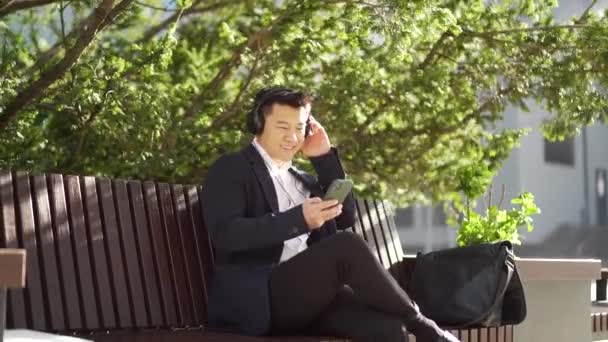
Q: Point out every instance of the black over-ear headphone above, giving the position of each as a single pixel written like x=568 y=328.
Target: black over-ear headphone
x=255 y=117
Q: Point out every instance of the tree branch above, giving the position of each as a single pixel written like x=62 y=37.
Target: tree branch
x=502 y=197
x=433 y=130
x=495 y=98
x=434 y=50
x=255 y=41
x=525 y=29
x=54 y=50
x=164 y=9
x=154 y=30
x=585 y=14
x=35 y=89
x=62 y=19
x=17 y=5
x=231 y=111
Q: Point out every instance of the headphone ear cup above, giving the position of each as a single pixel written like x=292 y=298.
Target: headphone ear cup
x=255 y=120
x=252 y=124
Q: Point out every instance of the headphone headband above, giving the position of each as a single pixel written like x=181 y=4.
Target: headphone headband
x=255 y=118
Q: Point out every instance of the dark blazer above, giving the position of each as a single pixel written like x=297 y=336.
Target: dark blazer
x=241 y=213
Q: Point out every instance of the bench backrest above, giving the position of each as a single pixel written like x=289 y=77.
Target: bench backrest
x=108 y=254
x=105 y=254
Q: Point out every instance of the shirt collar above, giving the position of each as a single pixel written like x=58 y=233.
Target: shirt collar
x=270 y=163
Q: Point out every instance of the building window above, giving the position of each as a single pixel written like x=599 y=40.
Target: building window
x=439 y=218
x=404 y=217
x=560 y=152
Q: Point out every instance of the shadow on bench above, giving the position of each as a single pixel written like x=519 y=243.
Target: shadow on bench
x=116 y=260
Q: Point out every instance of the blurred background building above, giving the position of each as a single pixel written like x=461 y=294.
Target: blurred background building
x=568 y=179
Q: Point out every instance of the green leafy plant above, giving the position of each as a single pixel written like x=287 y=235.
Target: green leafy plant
x=496 y=224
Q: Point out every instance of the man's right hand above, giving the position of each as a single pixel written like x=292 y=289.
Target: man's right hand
x=317 y=211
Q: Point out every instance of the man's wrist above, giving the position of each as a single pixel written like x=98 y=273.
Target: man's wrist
x=320 y=154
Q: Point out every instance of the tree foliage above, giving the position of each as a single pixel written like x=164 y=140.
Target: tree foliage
x=409 y=90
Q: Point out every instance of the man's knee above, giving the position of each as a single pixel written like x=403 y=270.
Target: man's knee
x=350 y=240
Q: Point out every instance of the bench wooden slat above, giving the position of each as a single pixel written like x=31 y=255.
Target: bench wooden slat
x=204 y=238
x=178 y=260
x=389 y=220
x=69 y=287
x=130 y=248
x=463 y=335
x=509 y=333
x=145 y=249
x=81 y=251
x=188 y=243
x=379 y=228
x=473 y=335
x=49 y=270
x=115 y=253
x=389 y=214
x=484 y=335
x=104 y=291
x=161 y=254
x=364 y=228
x=502 y=332
x=34 y=286
x=383 y=231
x=15 y=299
x=201 y=244
x=374 y=229
x=356 y=228
x=386 y=229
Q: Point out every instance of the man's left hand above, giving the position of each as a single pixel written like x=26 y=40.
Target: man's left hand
x=317 y=143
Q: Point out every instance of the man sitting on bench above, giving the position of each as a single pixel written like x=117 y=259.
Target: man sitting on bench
x=280 y=266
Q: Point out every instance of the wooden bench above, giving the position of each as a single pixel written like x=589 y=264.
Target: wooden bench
x=599 y=324
x=600 y=286
x=118 y=260
x=599 y=321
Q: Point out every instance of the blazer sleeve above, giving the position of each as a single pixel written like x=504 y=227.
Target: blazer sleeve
x=328 y=168
x=224 y=198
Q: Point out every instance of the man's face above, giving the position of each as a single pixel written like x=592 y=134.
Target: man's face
x=283 y=133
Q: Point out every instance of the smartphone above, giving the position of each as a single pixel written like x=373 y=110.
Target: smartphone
x=338 y=190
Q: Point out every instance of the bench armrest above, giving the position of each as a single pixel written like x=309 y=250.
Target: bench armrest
x=12 y=267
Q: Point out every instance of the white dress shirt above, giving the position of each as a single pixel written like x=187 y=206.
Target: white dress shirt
x=290 y=193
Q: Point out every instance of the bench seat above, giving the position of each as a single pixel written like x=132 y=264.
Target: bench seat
x=191 y=335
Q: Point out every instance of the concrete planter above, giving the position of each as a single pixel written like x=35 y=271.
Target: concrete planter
x=557 y=296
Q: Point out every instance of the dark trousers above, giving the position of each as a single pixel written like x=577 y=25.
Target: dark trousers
x=338 y=287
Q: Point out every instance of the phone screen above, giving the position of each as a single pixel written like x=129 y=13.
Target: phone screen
x=338 y=190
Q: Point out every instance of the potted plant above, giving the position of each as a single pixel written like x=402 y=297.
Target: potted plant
x=495 y=223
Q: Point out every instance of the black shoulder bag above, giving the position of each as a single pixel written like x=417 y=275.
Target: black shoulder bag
x=473 y=286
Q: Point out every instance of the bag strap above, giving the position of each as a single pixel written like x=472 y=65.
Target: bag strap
x=506 y=277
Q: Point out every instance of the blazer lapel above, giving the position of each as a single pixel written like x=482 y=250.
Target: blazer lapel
x=263 y=176
x=309 y=182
